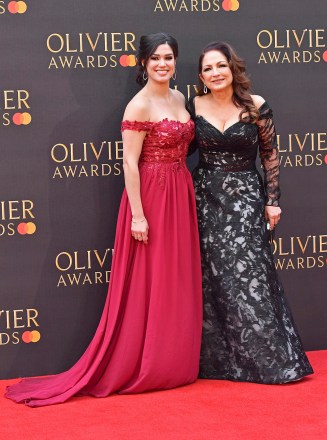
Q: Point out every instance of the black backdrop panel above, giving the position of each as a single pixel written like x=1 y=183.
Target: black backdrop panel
x=67 y=72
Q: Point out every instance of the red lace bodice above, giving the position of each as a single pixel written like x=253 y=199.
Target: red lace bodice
x=166 y=141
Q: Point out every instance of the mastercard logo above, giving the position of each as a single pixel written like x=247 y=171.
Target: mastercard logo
x=17 y=7
x=230 y=5
x=324 y=56
x=33 y=336
x=127 y=60
x=26 y=228
x=22 y=118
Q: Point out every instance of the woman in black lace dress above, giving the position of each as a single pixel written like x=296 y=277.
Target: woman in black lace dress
x=248 y=330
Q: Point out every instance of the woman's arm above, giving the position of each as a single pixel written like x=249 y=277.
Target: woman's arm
x=270 y=160
x=132 y=148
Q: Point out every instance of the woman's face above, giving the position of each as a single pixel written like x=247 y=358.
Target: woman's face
x=216 y=73
x=161 y=64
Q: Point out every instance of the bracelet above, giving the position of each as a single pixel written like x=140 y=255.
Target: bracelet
x=139 y=221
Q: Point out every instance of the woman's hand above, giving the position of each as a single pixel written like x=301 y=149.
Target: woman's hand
x=272 y=214
x=140 y=229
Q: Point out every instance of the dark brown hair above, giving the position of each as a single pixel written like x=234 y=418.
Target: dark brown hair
x=241 y=82
x=148 y=45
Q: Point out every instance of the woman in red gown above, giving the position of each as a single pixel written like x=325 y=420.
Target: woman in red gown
x=149 y=334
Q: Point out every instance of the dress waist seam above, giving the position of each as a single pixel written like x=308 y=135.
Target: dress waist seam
x=227 y=168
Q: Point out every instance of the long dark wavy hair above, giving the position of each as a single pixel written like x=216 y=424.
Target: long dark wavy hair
x=148 y=45
x=241 y=82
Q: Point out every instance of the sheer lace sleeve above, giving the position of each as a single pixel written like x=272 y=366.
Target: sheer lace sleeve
x=136 y=125
x=269 y=154
x=190 y=108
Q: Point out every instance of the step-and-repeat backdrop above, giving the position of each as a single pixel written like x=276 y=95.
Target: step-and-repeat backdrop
x=67 y=72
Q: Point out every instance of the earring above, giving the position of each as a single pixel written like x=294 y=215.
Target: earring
x=174 y=75
x=205 y=90
x=144 y=76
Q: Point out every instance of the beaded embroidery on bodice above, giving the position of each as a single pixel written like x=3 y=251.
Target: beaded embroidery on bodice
x=166 y=141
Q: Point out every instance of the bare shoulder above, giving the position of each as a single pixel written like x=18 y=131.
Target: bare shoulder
x=202 y=98
x=178 y=95
x=199 y=101
x=138 y=109
x=258 y=100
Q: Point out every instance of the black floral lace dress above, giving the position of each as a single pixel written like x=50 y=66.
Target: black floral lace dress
x=248 y=330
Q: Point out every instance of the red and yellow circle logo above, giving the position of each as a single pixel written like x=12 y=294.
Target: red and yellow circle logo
x=17 y=7
x=230 y=5
x=33 y=336
x=22 y=118
x=127 y=60
x=26 y=228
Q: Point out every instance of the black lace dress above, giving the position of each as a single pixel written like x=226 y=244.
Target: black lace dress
x=248 y=330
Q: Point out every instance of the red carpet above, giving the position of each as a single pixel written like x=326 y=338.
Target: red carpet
x=206 y=410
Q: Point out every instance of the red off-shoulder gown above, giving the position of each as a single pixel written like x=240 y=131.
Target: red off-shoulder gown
x=149 y=334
